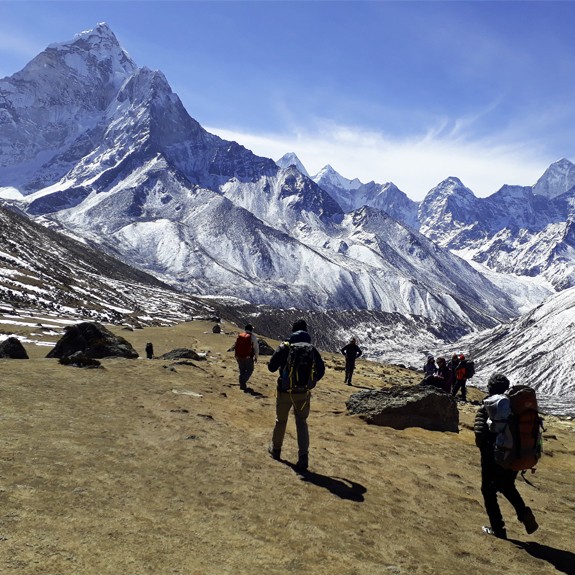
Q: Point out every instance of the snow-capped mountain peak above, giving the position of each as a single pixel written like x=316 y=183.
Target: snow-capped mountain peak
x=327 y=176
x=557 y=179
x=290 y=159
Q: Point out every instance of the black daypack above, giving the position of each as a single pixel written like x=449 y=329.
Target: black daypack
x=469 y=369
x=298 y=373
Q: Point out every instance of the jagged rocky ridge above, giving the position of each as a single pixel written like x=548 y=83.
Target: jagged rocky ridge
x=522 y=230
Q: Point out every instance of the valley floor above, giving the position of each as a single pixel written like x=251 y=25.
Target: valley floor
x=152 y=467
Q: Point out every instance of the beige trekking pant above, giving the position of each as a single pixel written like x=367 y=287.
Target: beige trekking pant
x=301 y=406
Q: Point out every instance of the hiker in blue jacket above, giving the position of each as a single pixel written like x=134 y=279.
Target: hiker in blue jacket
x=494 y=478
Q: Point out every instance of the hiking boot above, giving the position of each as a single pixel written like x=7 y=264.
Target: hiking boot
x=275 y=453
x=302 y=463
x=529 y=522
x=499 y=533
x=243 y=386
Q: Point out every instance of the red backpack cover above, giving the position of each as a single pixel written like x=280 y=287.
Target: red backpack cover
x=244 y=347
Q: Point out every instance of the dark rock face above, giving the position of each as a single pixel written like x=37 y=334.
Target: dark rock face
x=265 y=348
x=13 y=349
x=182 y=353
x=94 y=341
x=79 y=360
x=402 y=407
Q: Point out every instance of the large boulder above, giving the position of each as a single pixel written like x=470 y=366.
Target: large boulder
x=402 y=407
x=183 y=353
x=94 y=341
x=12 y=349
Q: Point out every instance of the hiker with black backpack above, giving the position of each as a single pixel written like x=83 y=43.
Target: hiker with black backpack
x=300 y=368
x=499 y=477
x=247 y=351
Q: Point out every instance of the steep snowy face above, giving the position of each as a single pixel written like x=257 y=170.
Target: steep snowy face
x=389 y=199
x=448 y=213
x=57 y=97
x=557 y=179
x=339 y=188
x=513 y=231
x=290 y=159
x=288 y=201
x=537 y=349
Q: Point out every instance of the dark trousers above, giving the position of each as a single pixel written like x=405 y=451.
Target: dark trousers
x=460 y=384
x=349 y=367
x=495 y=479
x=246 y=366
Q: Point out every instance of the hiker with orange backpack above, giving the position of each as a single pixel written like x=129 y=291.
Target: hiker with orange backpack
x=497 y=475
x=247 y=351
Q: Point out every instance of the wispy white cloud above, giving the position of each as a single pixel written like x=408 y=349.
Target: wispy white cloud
x=414 y=164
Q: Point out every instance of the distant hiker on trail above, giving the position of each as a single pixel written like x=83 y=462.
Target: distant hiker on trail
x=247 y=351
x=494 y=478
x=300 y=368
x=351 y=351
x=149 y=350
x=460 y=370
x=429 y=368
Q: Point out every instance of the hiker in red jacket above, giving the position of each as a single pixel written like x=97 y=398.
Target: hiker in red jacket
x=247 y=351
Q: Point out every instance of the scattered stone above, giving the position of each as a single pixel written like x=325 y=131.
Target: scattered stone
x=401 y=407
x=94 y=341
x=11 y=348
x=217 y=328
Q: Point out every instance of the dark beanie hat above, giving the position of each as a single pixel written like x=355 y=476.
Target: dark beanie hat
x=249 y=327
x=497 y=383
x=299 y=324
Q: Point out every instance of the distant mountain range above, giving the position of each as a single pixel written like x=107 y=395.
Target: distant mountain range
x=103 y=150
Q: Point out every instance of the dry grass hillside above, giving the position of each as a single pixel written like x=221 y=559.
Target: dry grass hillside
x=151 y=467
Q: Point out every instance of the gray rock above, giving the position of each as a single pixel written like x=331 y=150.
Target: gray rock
x=182 y=353
x=94 y=341
x=402 y=407
x=12 y=349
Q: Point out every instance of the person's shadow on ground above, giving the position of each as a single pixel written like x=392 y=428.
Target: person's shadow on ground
x=563 y=561
x=254 y=393
x=339 y=486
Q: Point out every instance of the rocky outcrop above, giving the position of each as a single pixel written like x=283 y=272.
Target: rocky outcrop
x=12 y=349
x=94 y=341
x=183 y=353
x=402 y=407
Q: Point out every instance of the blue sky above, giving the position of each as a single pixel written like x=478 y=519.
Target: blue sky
x=408 y=92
